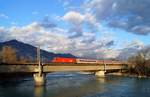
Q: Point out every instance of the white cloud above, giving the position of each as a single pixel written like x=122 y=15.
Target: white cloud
x=4 y=16
x=141 y=30
x=57 y=40
x=47 y=23
x=74 y=17
x=4 y=35
x=129 y=15
x=75 y=21
x=79 y=22
x=137 y=44
x=14 y=23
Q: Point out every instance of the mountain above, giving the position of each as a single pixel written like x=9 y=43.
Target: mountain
x=30 y=52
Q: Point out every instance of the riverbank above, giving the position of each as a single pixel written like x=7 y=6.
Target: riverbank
x=128 y=75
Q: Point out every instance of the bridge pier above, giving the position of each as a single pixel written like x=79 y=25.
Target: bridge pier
x=100 y=73
x=39 y=80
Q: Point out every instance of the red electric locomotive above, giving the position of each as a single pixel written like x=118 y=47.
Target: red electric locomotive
x=64 y=60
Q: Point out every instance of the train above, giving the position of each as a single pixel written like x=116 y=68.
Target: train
x=81 y=60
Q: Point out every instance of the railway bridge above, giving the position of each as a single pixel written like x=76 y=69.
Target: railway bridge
x=39 y=70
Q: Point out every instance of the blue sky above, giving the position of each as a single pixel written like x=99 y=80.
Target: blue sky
x=103 y=25
x=26 y=11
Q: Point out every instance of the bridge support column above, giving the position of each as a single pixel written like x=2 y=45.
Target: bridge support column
x=100 y=73
x=39 y=80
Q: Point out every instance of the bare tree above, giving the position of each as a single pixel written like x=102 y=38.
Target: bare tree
x=22 y=59
x=0 y=57
x=140 y=63
x=8 y=55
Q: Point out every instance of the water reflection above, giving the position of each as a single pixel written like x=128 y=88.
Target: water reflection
x=74 y=88
x=101 y=79
x=39 y=91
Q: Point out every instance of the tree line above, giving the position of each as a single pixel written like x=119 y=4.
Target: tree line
x=9 y=55
x=140 y=63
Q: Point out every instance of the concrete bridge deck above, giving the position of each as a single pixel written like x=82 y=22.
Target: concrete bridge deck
x=57 y=67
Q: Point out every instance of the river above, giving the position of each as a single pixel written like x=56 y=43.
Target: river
x=78 y=85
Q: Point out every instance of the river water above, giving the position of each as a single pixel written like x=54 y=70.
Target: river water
x=78 y=85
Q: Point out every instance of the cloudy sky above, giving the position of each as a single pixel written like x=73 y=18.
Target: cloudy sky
x=86 y=28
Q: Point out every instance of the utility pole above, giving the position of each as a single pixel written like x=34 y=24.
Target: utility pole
x=38 y=54
x=39 y=77
x=104 y=65
x=39 y=60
